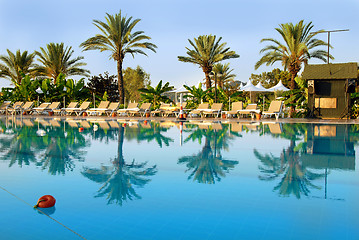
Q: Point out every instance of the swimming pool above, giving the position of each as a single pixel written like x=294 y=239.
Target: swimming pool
x=160 y=180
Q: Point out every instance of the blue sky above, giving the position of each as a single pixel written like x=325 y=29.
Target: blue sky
x=29 y=25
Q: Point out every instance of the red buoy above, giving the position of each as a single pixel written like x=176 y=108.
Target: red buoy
x=46 y=201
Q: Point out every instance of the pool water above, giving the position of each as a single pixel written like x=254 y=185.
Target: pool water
x=162 y=180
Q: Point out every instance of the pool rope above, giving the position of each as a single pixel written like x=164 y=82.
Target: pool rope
x=42 y=212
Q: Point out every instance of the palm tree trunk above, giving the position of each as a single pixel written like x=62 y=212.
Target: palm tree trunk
x=208 y=80
x=121 y=89
x=292 y=87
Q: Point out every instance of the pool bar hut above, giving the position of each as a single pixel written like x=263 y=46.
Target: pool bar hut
x=329 y=88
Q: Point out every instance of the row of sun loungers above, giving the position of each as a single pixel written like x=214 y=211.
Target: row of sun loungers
x=276 y=108
x=165 y=110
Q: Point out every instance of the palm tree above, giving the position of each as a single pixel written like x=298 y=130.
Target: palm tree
x=197 y=94
x=117 y=37
x=224 y=74
x=16 y=65
x=56 y=59
x=207 y=51
x=155 y=94
x=298 y=47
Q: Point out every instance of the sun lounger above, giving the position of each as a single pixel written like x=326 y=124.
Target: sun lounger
x=62 y=111
x=176 y=110
x=5 y=105
x=78 y=110
x=99 y=110
x=215 y=110
x=131 y=107
x=200 y=108
x=52 y=107
x=275 y=108
x=27 y=108
x=161 y=110
x=250 y=109
x=145 y=108
x=112 y=108
x=45 y=108
x=14 y=108
x=40 y=108
x=236 y=106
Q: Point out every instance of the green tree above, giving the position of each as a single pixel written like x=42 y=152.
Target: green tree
x=102 y=84
x=299 y=46
x=155 y=95
x=26 y=91
x=15 y=65
x=206 y=52
x=56 y=59
x=118 y=38
x=198 y=95
x=135 y=79
x=76 y=90
x=299 y=96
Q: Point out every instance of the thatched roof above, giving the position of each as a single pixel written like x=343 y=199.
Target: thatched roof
x=331 y=71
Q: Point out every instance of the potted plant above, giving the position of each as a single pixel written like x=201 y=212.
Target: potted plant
x=259 y=116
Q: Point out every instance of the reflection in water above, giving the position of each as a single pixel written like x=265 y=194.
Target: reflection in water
x=321 y=147
x=119 y=179
x=54 y=150
x=48 y=211
x=208 y=166
x=314 y=151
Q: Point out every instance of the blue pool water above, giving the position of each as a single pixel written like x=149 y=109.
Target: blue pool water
x=147 y=180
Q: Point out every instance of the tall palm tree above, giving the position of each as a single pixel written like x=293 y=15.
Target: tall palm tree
x=56 y=59
x=118 y=38
x=207 y=51
x=15 y=65
x=298 y=47
x=224 y=74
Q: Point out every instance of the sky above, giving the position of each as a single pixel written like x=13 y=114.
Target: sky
x=29 y=25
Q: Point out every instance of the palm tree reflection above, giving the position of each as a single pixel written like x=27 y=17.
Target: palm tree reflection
x=295 y=178
x=208 y=166
x=119 y=179
x=56 y=150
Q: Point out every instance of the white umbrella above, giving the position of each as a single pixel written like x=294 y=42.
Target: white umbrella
x=249 y=87
x=262 y=89
x=180 y=90
x=279 y=87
